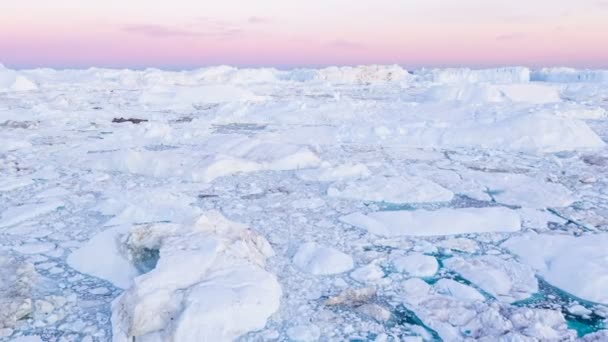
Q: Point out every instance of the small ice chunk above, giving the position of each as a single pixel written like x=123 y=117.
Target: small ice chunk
x=321 y=260
x=416 y=265
x=450 y=287
x=579 y=310
x=506 y=280
x=368 y=273
x=445 y=221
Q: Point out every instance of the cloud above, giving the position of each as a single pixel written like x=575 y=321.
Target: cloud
x=160 y=31
x=344 y=44
x=258 y=20
x=511 y=36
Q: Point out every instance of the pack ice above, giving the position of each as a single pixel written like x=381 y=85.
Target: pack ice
x=343 y=203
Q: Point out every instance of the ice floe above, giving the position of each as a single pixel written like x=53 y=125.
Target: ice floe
x=506 y=280
x=445 y=221
x=577 y=265
x=321 y=260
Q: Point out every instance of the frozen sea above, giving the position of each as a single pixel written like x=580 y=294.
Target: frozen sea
x=347 y=203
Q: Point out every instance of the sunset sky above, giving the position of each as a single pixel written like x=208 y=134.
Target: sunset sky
x=287 y=33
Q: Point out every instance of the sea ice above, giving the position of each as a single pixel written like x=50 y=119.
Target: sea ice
x=399 y=189
x=416 y=265
x=577 y=265
x=444 y=221
x=506 y=280
x=321 y=260
x=210 y=283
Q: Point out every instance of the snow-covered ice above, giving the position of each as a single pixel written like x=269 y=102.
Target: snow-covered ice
x=321 y=260
x=343 y=203
x=445 y=221
x=209 y=283
x=578 y=265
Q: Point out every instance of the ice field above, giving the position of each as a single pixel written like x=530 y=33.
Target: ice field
x=347 y=203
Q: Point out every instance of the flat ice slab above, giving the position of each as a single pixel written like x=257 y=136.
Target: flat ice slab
x=577 y=265
x=445 y=221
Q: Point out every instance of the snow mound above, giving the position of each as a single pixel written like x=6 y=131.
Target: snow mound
x=208 y=281
x=505 y=280
x=401 y=189
x=465 y=75
x=569 y=75
x=321 y=260
x=445 y=221
x=577 y=265
x=13 y=81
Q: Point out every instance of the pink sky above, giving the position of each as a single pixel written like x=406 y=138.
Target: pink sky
x=287 y=33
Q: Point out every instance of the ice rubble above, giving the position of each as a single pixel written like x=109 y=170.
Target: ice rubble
x=577 y=265
x=16 y=285
x=444 y=221
x=398 y=189
x=567 y=75
x=466 y=317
